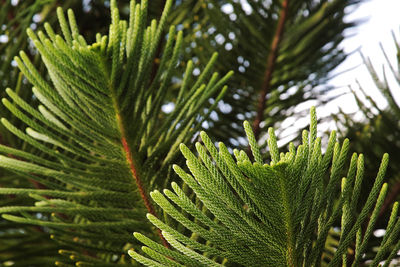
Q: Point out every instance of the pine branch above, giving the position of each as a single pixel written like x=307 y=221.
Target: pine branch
x=279 y=214
x=99 y=137
x=139 y=183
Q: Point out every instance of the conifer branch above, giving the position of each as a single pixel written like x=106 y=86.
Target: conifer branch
x=271 y=61
x=95 y=144
x=97 y=128
x=136 y=176
x=277 y=214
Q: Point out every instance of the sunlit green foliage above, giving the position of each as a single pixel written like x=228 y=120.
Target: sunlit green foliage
x=276 y=214
x=97 y=104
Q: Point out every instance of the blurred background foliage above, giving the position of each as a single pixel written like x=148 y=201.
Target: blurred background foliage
x=292 y=71
x=377 y=127
x=282 y=52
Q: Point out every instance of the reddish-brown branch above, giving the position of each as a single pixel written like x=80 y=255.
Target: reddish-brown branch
x=271 y=60
x=139 y=184
x=128 y=153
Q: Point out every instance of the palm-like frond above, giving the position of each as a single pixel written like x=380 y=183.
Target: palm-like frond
x=99 y=135
x=276 y=214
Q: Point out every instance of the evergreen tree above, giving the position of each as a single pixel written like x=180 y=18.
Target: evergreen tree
x=88 y=142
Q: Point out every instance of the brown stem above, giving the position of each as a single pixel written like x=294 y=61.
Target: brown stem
x=139 y=184
x=135 y=174
x=271 y=60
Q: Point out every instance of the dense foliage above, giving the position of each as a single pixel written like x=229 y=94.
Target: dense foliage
x=102 y=95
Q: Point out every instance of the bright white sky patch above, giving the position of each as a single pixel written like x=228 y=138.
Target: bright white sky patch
x=382 y=18
x=227 y=8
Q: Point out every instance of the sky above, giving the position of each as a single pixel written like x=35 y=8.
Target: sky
x=381 y=21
